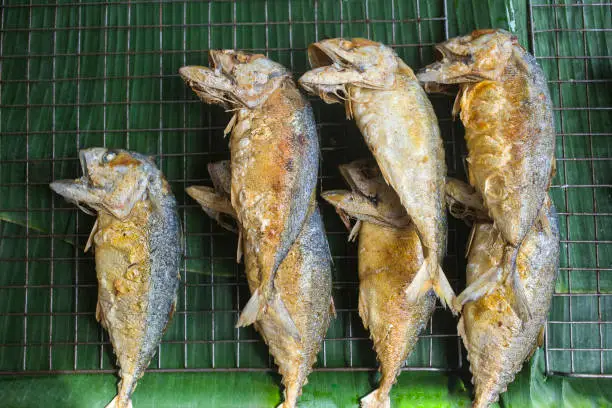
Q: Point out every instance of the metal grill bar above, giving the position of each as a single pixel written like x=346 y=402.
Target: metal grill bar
x=559 y=346
x=202 y=337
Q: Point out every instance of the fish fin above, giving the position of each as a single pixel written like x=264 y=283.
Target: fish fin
x=239 y=248
x=354 y=231
x=98 y=312
x=332 y=308
x=257 y=306
x=372 y=400
x=90 y=240
x=251 y=311
x=444 y=291
x=230 y=125
x=278 y=306
x=420 y=285
x=115 y=403
x=468 y=247
x=482 y=286
x=423 y=282
x=518 y=302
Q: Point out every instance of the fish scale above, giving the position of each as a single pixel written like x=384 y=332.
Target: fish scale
x=137 y=242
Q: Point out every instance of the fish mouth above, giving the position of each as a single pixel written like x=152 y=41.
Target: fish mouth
x=330 y=75
x=319 y=56
x=212 y=85
x=450 y=68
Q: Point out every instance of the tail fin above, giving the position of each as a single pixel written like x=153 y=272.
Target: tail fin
x=424 y=281
x=374 y=400
x=258 y=305
x=291 y=394
x=115 y=403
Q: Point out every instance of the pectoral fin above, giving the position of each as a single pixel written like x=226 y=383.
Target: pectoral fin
x=257 y=306
x=215 y=205
x=90 y=240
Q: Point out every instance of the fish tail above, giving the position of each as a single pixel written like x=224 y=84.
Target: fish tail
x=260 y=304
x=484 y=399
x=291 y=393
x=118 y=402
x=376 y=399
x=430 y=276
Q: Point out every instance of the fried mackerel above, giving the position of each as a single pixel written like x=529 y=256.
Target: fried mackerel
x=390 y=254
x=274 y=162
x=303 y=282
x=137 y=242
x=497 y=340
x=400 y=127
x=505 y=106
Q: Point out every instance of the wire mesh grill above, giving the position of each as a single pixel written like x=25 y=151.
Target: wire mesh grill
x=76 y=75
x=82 y=74
x=572 y=43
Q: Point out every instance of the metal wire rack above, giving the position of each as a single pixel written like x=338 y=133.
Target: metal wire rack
x=564 y=39
x=82 y=74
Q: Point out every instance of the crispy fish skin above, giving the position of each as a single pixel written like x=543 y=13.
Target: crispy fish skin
x=137 y=240
x=274 y=161
x=303 y=282
x=400 y=127
x=390 y=254
x=506 y=109
x=497 y=340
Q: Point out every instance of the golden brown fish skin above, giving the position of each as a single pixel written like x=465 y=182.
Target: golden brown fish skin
x=506 y=110
x=388 y=260
x=390 y=254
x=271 y=149
x=274 y=161
x=401 y=129
x=497 y=340
x=303 y=282
x=137 y=240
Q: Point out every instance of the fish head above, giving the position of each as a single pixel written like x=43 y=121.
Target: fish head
x=235 y=79
x=481 y=55
x=371 y=198
x=112 y=181
x=339 y=63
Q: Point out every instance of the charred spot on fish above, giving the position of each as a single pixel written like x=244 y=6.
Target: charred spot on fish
x=289 y=165
x=499 y=324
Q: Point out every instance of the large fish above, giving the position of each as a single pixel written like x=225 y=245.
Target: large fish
x=137 y=241
x=274 y=162
x=390 y=254
x=497 y=340
x=507 y=113
x=303 y=282
x=400 y=127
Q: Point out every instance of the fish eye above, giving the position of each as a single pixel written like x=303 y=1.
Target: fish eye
x=109 y=157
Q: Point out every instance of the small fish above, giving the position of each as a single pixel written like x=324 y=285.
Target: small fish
x=390 y=254
x=274 y=162
x=400 y=127
x=507 y=112
x=497 y=340
x=303 y=282
x=137 y=240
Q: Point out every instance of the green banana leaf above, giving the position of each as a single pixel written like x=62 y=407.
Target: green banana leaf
x=79 y=99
